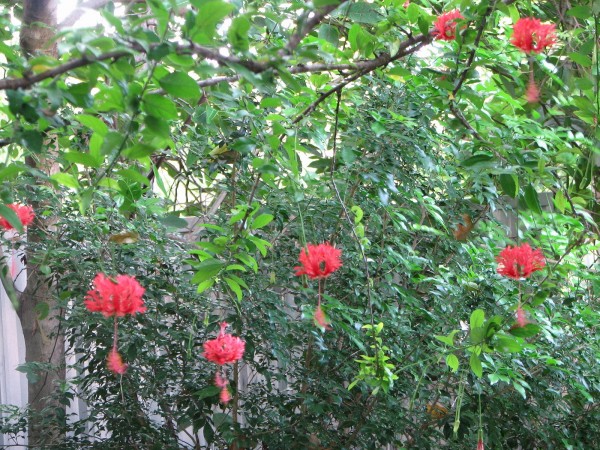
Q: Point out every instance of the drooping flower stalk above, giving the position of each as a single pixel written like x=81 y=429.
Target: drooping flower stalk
x=115 y=298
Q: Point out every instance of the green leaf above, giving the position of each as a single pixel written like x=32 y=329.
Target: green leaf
x=582 y=60
x=477 y=319
x=581 y=12
x=208 y=391
x=452 y=362
x=93 y=123
x=261 y=244
x=173 y=221
x=181 y=85
x=359 y=12
x=330 y=34
x=447 y=339
x=507 y=344
x=321 y=3
x=560 y=201
x=84 y=159
x=248 y=260
x=238 y=34
x=475 y=364
x=12 y=217
x=210 y=14
x=159 y=106
x=509 y=184
x=66 y=179
x=42 y=308
x=10 y=172
x=207 y=269
x=358 y=214
x=478 y=160
x=532 y=200
x=262 y=221
x=235 y=287
x=133 y=175
x=32 y=140
x=527 y=331
x=520 y=389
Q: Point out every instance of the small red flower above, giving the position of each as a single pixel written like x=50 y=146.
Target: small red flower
x=225 y=396
x=220 y=382
x=445 y=25
x=24 y=213
x=521 y=317
x=480 y=444
x=520 y=262
x=225 y=349
x=320 y=319
x=115 y=298
x=532 y=36
x=319 y=261
x=115 y=362
x=533 y=93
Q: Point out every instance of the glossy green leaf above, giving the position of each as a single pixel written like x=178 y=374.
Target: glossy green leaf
x=509 y=184
x=181 y=85
x=475 y=364
x=532 y=199
x=207 y=269
x=452 y=362
x=262 y=221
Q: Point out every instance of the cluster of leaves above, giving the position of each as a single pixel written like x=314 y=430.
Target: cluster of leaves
x=422 y=352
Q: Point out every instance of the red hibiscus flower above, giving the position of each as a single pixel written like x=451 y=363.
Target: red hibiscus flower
x=225 y=349
x=24 y=213
x=115 y=298
x=480 y=444
x=115 y=362
x=319 y=261
x=532 y=36
x=520 y=262
x=445 y=25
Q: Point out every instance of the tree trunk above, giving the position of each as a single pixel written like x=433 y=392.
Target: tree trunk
x=44 y=341
x=39 y=27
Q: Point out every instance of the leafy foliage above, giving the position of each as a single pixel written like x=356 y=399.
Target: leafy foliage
x=281 y=124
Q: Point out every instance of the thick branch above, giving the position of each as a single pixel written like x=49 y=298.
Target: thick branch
x=19 y=83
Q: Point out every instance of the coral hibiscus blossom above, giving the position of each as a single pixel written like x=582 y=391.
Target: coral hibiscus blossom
x=225 y=349
x=115 y=298
x=445 y=25
x=24 y=213
x=532 y=36
x=480 y=444
x=520 y=262
x=115 y=362
x=318 y=261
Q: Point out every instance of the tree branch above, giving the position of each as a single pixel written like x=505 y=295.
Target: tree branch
x=463 y=75
x=310 y=24
x=406 y=48
x=19 y=83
